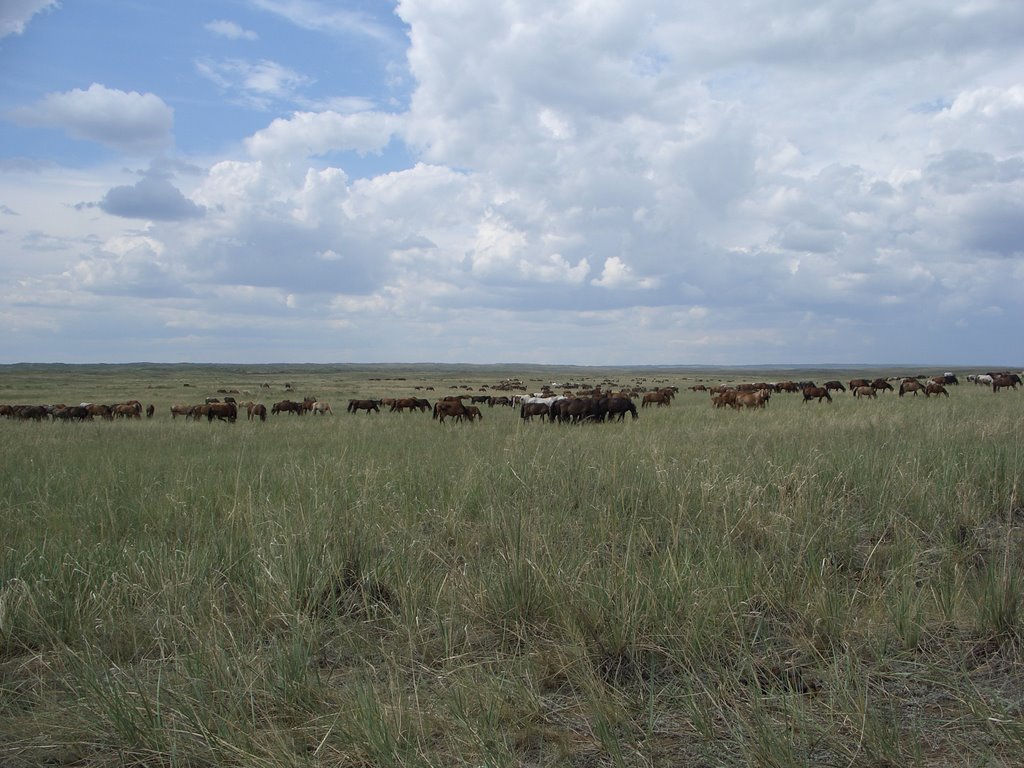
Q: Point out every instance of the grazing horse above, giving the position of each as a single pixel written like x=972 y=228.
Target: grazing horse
x=753 y=399
x=287 y=406
x=528 y=410
x=446 y=408
x=835 y=385
x=659 y=398
x=727 y=397
x=999 y=381
x=816 y=392
x=363 y=405
x=620 y=406
x=472 y=413
x=865 y=391
x=882 y=384
x=222 y=412
x=912 y=385
x=321 y=408
x=857 y=383
x=257 y=411
x=125 y=411
x=935 y=388
x=181 y=410
x=412 y=403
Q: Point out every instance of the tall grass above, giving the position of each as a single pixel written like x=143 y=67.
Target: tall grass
x=804 y=585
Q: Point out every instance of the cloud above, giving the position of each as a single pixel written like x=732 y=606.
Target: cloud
x=128 y=121
x=307 y=134
x=258 y=83
x=230 y=30
x=311 y=15
x=16 y=14
x=152 y=197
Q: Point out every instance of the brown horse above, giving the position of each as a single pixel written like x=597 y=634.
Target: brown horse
x=528 y=410
x=288 y=406
x=757 y=399
x=222 y=412
x=835 y=385
x=912 y=385
x=369 y=406
x=257 y=411
x=816 y=392
x=412 y=403
x=855 y=384
x=999 y=381
x=445 y=408
x=934 y=388
x=882 y=384
x=865 y=391
x=659 y=398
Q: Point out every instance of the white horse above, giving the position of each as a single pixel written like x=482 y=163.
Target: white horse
x=322 y=409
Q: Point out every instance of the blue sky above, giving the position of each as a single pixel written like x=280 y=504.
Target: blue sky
x=588 y=182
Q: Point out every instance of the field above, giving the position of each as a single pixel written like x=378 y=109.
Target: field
x=809 y=584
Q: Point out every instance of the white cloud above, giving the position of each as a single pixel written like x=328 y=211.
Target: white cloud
x=16 y=14
x=126 y=120
x=258 y=83
x=230 y=29
x=307 y=134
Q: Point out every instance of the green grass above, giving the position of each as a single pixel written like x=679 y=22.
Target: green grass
x=804 y=585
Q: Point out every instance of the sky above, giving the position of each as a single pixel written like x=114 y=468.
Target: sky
x=586 y=182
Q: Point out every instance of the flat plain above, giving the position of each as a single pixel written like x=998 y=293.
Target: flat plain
x=805 y=584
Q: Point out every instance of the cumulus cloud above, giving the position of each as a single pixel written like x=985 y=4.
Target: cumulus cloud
x=16 y=14
x=152 y=197
x=125 y=120
x=780 y=186
x=315 y=133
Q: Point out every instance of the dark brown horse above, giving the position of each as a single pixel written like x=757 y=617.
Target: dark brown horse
x=370 y=406
x=287 y=406
x=528 y=410
x=445 y=408
x=999 y=381
x=222 y=412
x=835 y=385
x=816 y=392
x=934 y=388
x=257 y=411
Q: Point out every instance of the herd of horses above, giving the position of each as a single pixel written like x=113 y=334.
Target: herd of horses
x=568 y=407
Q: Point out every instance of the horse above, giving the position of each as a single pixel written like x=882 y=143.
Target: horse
x=321 y=408
x=816 y=392
x=125 y=411
x=620 y=406
x=753 y=399
x=855 y=384
x=181 y=410
x=528 y=410
x=355 y=406
x=935 y=388
x=445 y=408
x=412 y=403
x=882 y=384
x=287 y=406
x=257 y=411
x=472 y=413
x=835 y=385
x=912 y=385
x=222 y=412
x=659 y=398
x=865 y=391
x=727 y=397
x=150 y=410
x=999 y=381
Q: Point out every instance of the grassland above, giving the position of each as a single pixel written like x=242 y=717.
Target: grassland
x=805 y=585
